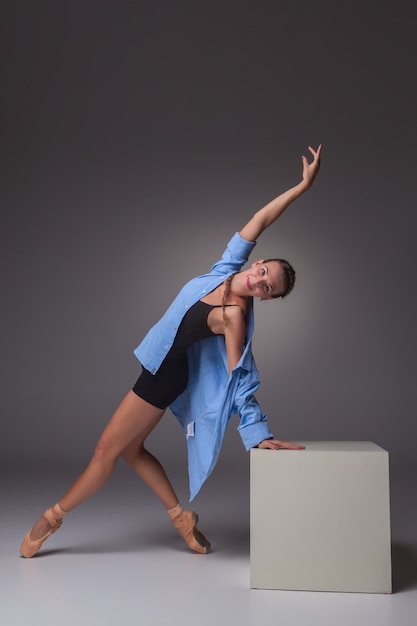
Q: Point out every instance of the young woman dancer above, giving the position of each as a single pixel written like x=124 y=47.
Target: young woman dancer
x=197 y=361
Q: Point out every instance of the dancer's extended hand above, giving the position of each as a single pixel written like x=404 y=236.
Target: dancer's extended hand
x=276 y=444
x=310 y=170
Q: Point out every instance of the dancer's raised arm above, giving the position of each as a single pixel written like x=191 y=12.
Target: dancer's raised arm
x=271 y=211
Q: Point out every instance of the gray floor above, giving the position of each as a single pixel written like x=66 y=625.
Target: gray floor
x=116 y=558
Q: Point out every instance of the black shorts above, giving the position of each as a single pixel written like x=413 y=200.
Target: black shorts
x=166 y=385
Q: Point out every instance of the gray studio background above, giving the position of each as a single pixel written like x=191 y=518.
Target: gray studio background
x=137 y=137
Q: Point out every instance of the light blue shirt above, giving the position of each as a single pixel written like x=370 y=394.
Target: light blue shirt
x=212 y=395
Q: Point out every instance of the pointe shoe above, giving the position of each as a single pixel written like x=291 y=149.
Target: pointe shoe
x=30 y=546
x=186 y=524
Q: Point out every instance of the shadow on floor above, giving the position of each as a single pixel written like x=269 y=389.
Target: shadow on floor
x=404 y=567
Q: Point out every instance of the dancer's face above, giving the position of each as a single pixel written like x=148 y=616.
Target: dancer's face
x=261 y=280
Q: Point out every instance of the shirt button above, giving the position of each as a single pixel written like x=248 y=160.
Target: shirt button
x=186 y=306
x=166 y=347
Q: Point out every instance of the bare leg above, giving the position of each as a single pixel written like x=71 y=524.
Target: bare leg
x=151 y=472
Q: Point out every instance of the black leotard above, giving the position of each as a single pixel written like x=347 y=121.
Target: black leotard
x=171 y=379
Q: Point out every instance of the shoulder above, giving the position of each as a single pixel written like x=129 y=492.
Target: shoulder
x=236 y=310
x=235 y=315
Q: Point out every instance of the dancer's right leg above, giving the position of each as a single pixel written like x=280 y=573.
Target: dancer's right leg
x=133 y=419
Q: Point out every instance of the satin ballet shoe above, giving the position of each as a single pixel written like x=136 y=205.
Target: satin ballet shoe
x=186 y=524
x=30 y=546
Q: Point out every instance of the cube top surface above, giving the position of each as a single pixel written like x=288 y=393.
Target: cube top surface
x=332 y=446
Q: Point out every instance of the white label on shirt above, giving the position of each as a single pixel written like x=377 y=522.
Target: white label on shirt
x=190 y=430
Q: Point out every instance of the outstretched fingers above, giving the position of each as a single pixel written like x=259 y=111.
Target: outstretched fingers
x=310 y=170
x=316 y=153
x=277 y=444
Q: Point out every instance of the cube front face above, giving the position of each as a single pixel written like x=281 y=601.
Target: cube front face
x=319 y=518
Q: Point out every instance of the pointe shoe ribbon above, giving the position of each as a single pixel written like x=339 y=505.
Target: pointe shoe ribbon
x=30 y=546
x=186 y=524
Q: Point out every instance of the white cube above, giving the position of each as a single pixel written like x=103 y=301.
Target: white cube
x=320 y=518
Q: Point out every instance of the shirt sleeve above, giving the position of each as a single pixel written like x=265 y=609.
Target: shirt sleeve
x=253 y=427
x=236 y=254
